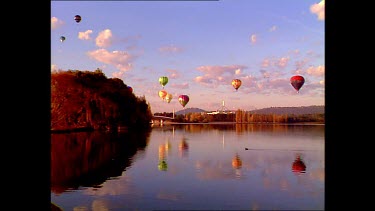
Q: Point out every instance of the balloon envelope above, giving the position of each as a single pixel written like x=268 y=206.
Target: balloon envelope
x=297 y=82
x=130 y=88
x=183 y=99
x=77 y=18
x=168 y=97
x=236 y=83
x=163 y=80
x=162 y=94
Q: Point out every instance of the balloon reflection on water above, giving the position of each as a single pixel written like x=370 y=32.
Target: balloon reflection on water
x=183 y=147
x=236 y=162
x=298 y=165
x=162 y=164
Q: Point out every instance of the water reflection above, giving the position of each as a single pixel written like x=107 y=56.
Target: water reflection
x=195 y=167
x=163 y=165
x=183 y=147
x=236 y=162
x=243 y=128
x=298 y=166
x=87 y=159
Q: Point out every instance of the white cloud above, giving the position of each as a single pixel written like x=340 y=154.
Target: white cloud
x=85 y=35
x=56 y=23
x=316 y=71
x=118 y=74
x=282 y=62
x=265 y=63
x=104 y=39
x=119 y=59
x=180 y=86
x=318 y=9
x=173 y=74
x=54 y=68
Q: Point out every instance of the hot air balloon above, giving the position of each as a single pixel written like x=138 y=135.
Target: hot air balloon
x=168 y=98
x=77 y=18
x=298 y=165
x=163 y=80
x=130 y=88
x=183 y=99
x=162 y=94
x=297 y=82
x=236 y=83
x=62 y=39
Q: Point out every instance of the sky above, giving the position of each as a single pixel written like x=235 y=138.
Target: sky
x=201 y=46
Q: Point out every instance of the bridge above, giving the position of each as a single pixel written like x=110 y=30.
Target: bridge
x=160 y=120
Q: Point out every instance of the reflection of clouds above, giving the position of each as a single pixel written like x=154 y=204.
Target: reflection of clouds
x=80 y=208
x=274 y=169
x=163 y=194
x=284 y=184
x=266 y=182
x=218 y=170
x=317 y=174
x=112 y=187
x=97 y=205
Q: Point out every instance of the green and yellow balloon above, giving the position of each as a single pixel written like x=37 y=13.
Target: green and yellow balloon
x=163 y=80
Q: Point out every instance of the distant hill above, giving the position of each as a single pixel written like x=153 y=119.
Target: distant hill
x=314 y=109
x=291 y=110
x=190 y=110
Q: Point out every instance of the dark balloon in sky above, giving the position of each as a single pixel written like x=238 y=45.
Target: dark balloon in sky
x=77 y=18
x=297 y=82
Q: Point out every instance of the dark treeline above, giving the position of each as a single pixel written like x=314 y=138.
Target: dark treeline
x=88 y=100
x=249 y=117
x=241 y=116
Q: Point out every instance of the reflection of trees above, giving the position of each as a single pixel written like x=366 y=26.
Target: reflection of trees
x=279 y=128
x=90 y=158
x=246 y=128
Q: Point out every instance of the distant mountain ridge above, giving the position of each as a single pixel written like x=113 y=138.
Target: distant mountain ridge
x=190 y=110
x=314 y=109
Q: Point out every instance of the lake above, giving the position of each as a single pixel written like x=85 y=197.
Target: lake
x=191 y=166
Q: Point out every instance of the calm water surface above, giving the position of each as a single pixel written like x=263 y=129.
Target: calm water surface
x=192 y=166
